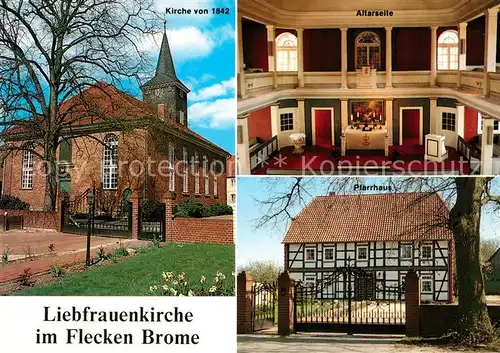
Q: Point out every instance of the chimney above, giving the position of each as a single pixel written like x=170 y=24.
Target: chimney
x=161 y=111
x=331 y=193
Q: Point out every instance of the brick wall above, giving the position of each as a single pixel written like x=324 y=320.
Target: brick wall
x=201 y=230
x=244 y=287
x=36 y=219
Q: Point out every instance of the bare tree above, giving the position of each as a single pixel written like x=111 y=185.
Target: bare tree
x=52 y=50
x=466 y=198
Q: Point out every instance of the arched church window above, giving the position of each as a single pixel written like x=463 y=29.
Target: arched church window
x=110 y=163
x=367 y=50
x=448 y=50
x=28 y=165
x=286 y=52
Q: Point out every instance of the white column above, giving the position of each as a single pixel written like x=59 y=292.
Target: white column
x=243 y=149
x=490 y=37
x=433 y=55
x=460 y=119
x=462 y=45
x=344 y=114
x=487 y=146
x=388 y=56
x=434 y=121
x=344 y=57
x=301 y=121
x=271 y=53
x=241 y=63
x=275 y=121
x=300 y=56
x=389 y=115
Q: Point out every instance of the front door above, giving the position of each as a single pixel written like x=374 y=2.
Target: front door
x=411 y=127
x=323 y=122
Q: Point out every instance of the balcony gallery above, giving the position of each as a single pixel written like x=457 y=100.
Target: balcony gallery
x=324 y=90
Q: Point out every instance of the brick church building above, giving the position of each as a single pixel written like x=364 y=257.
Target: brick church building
x=121 y=145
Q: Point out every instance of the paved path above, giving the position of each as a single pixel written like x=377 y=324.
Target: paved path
x=330 y=343
x=69 y=249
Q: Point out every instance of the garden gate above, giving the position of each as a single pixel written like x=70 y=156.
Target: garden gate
x=264 y=305
x=350 y=300
x=107 y=214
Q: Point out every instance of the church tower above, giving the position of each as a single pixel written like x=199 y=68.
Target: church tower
x=166 y=88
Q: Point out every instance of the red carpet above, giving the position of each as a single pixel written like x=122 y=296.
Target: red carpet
x=318 y=159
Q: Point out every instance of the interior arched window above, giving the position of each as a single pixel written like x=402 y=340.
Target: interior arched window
x=367 y=50
x=286 y=52
x=110 y=163
x=448 y=50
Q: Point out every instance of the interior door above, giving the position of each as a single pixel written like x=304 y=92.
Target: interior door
x=411 y=127
x=323 y=133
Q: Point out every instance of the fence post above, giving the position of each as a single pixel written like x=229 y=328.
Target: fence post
x=169 y=200
x=412 y=303
x=244 y=286
x=286 y=295
x=61 y=205
x=136 y=214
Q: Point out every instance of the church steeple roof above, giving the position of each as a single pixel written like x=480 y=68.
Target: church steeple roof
x=165 y=70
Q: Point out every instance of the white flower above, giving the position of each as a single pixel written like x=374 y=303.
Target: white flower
x=173 y=291
x=182 y=276
x=203 y=279
x=212 y=289
x=174 y=283
x=233 y=274
x=190 y=293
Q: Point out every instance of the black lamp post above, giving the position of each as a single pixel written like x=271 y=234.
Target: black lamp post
x=89 y=225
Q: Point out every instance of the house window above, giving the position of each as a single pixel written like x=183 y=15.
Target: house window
x=185 y=175
x=286 y=52
x=448 y=50
x=427 y=284
x=196 y=173
x=181 y=117
x=215 y=185
x=205 y=171
x=171 y=167
x=448 y=121
x=286 y=121
x=233 y=182
x=27 y=172
x=309 y=281
x=310 y=254
x=110 y=163
x=426 y=252
x=233 y=198
x=367 y=50
x=406 y=252
x=362 y=253
x=329 y=254
x=496 y=125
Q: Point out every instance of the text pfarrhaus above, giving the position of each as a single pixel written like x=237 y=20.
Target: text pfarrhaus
x=377 y=13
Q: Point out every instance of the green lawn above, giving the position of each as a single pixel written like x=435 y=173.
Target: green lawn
x=134 y=276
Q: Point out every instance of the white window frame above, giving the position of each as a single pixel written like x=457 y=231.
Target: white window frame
x=287 y=52
x=444 y=51
x=205 y=175
x=288 y=112
x=427 y=279
x=309 y=281
x=452 y=117
x=359 y=247
x=110 y=163
x=185 y=175
x=196 y=162
x=333 y=253
x=480 y=125
x=422 y=252
x=27 y=168
x=401 y=252
x=359 y=45
x=216 y=191
x=171 y=167
x=313 y=252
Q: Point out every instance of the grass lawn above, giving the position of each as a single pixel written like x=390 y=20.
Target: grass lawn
x=134 y=276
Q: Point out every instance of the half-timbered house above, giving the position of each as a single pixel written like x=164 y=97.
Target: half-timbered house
x=380 y=236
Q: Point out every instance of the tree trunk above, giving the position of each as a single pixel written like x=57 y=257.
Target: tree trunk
x=474 y=326
x=50 y=168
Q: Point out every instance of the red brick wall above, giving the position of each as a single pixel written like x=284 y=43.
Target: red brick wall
x=201 y=230
x=36 y=219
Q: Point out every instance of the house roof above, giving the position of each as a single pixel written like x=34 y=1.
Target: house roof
x=104 y=103
x=165 y=70
x=371 y=217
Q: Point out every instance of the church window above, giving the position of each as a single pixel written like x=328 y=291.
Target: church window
x=27 y=171
x=448 y=50
x=286 y=52
x=367 y=50
x=110 y=163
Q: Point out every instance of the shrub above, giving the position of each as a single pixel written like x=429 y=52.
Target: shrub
x=120 y=252
x=151 y=210
x=5 y=256
x=9 y=202
x=25 y=278
x=195 y=209
x=180 y=286
x=102 y=255
x=56 y=271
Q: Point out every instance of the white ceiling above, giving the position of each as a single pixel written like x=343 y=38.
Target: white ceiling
x=351 y=5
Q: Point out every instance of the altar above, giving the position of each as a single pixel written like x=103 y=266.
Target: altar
x=357 y=139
